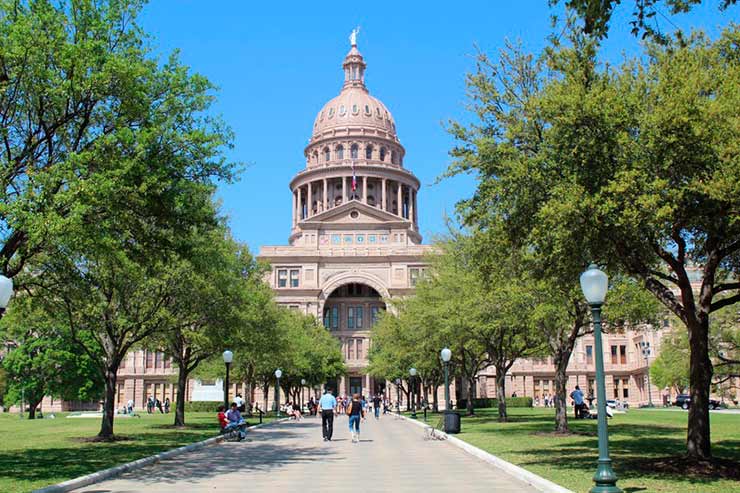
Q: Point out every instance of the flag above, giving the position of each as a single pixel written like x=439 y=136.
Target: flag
x=354 y=179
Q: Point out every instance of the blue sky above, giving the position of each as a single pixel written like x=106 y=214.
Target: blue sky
x=277 y=63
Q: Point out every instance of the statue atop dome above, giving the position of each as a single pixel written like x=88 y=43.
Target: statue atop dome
x=353 y=36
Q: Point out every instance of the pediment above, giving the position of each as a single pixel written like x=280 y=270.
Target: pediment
x=354 y=212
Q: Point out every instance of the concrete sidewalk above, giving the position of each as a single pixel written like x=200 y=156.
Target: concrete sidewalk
x=291 y=456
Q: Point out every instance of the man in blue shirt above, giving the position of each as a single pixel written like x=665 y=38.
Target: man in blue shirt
x=327 y=404
x=577 y=396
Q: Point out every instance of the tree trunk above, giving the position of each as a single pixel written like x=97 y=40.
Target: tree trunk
x=32 y=405
x=471 y=395
x=562 y=357
x=248 y=402
x=106 y=425
x=501 y=393
x=265 y=399
x=182 y=381
x=700 y=378
x=435 y=399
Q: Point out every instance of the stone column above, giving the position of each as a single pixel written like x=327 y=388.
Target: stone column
x=309 y=201
x=364 y=189
x=344 y=189
x=326 y=196
x=412 y=209
x=383 y=204
x=300 y=203
x=295 y=209
x=400 y=199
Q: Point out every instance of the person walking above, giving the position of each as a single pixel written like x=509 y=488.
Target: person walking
x=327 y=404
x=167 y=405
x=376 y=405
x=355 y=411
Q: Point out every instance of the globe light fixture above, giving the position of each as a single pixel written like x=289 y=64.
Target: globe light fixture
x=645 y=346
x=446 y=355
x=278 y=373
x=595 y=284
x=228 y=357
x=6 y=291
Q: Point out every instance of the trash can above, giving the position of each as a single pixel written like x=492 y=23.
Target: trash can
x=452 y=422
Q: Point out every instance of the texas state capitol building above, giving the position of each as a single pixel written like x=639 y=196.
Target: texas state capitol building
x=354 y=238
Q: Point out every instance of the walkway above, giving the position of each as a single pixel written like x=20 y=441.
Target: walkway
x=392 y=456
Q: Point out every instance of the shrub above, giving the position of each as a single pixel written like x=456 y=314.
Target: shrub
x=202 y=406
x=487 y=402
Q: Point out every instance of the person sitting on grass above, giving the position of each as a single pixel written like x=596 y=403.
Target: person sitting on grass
x=232 y=421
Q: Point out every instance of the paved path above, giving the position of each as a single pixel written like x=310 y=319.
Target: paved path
x=291 y=457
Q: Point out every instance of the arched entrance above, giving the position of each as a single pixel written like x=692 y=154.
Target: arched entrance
x=349 y=312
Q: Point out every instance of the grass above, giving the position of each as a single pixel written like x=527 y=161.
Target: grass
x=37 y=453
x=638 y=441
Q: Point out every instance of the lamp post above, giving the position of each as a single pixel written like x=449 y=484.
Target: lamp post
x=278 y=374
x=303 y=385
x=645 y=346
x=594 y=284
x=446 y=355
x=6 y=291
x=228 y=357
x=398 y=396
x=412 y=380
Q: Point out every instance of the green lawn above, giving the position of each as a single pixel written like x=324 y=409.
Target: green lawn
x=636 y=439
x=37 y=453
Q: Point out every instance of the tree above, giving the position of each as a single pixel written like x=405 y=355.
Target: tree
x=89 y=116
x=218 y=295
x=631 y=166
x=44 y=361
x=671 y=367
x=596 y=15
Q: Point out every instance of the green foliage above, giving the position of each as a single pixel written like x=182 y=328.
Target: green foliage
x=202 y=406
x=493 y=403
x=671 y=367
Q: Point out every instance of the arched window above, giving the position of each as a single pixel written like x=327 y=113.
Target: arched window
x=354 y=151
x=340 y=152
x=315 y=156
x=327 y=155
x=369 y=152
x=393 y=157
x=382 y=153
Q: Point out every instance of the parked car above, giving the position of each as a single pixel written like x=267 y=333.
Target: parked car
x=616 y=404
x=683 y=401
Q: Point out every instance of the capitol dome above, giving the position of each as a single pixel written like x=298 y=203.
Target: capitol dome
x=354 y=125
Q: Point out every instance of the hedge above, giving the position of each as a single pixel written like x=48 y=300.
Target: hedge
x=484 y=403
x=202 y=406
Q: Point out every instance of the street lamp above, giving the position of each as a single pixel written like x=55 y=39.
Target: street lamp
x=228 y=357
x=446 y=356
x=6 y=291
x=645 y=345
x=278 y=374
x=398 y=396
x=594 y=284
x=412 y=372
x=303 y=385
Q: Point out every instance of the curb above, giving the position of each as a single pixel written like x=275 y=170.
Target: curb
x=105 y=474
x=542 y=484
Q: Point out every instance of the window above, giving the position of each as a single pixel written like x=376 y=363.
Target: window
x=348 y=239
x=623 y=355
x=393 y=157
x=591 y=387
x=375 y=314
x=372 y=238
x=614 y=355
x=294 y=307
x=283 y=278
x=123 y=363
x=157 y=360
x=360 y=239
x=367 y=110
x=354 y=151
x=149 y=359
x=369 y=152
x=340 y=152
x=358 y=313
x=331 y=318
x=167 y=362
x=382 y=153
x=331 y=112
x=413 y=276
x=616 y=386
x=342 y=110
x=351 y=317
x=294 y=277
x=355 y=109
x=351 y=349
x=589 y=355
x=327 y=154
x=336 y=239
x=359 y=349
x=626 y=388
